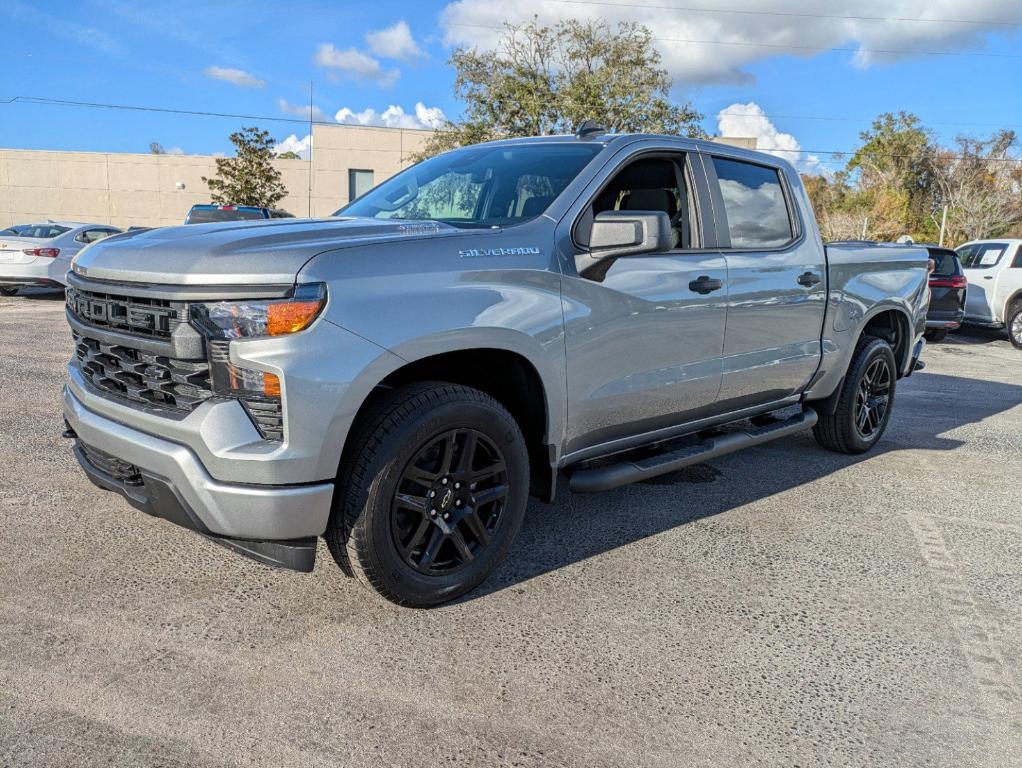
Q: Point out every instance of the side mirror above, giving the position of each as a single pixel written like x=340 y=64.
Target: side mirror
x=616 y=234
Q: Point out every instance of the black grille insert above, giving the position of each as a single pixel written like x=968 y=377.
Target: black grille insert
x=143 y=377
x=118 y=469
x=153 y=318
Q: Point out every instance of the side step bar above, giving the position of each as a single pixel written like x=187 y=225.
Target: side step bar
x=592 y=479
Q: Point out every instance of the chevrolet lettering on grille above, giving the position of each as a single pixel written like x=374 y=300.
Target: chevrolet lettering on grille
x=119 y=314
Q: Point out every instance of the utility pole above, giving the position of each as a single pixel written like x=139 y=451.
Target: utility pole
x=943 y=224
x=310 y=149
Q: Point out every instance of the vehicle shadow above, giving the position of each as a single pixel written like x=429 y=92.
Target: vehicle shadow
x=974 y=334
x=35 y=294
x=577 y=527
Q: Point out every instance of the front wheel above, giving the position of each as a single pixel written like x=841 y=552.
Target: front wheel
x=1015 y=324
x=865 y=402
x=430 y=494
x=8 y=290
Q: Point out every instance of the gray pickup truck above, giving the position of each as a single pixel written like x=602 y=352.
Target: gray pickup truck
x=593 y=309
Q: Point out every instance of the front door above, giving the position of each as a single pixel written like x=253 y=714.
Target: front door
x=777 y=278
x=643 y=342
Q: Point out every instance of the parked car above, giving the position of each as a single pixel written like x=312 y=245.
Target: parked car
x=947 y=293
x=994 y=271
x=400 y=379
x=40 y=254
x=204 y=214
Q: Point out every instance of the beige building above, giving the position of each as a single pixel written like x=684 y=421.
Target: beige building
x=157 y=190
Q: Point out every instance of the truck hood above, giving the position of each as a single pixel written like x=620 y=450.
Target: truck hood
x=237 y=252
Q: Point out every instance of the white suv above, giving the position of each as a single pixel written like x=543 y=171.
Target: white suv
x=994 y=271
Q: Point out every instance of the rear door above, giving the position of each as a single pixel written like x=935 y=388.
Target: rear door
x=777 y=276
x=983 y=262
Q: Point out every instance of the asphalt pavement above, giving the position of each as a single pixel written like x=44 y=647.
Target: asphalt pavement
x=779 y=606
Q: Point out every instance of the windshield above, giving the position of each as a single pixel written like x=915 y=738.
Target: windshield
x=206 y=215
x=40 y=231
x=478 y=186
x=981 y=255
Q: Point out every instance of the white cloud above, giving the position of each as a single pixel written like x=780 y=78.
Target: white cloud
x=394 y=116
x=394 y=42
x=237 y=77
x=354 y=65
x=292 y=143
x=752 y=36
x=301 y=110
x=173 y=151
x=750 y=121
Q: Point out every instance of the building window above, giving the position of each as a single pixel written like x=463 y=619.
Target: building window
x=359 y=182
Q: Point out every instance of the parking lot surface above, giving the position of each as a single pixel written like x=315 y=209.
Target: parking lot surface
x=782 y=606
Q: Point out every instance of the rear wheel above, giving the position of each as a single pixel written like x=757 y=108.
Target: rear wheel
x=935 y=335
x=431 y=494
x=865 y=402
x=1015 y=324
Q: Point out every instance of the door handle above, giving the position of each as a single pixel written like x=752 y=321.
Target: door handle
x=809 y=279
x=705 y=284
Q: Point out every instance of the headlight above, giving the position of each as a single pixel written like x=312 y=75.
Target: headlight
x=225 y=321
x=270 y=317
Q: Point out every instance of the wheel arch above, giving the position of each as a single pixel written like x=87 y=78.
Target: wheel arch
x=889 y=322
x=508 y=375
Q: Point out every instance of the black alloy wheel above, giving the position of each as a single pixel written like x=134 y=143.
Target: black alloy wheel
x=448 y=503
x=430 y=493
x=864 y=401
x=873 y=397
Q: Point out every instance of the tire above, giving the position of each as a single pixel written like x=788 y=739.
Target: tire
x=844 y=431
x=386 y=529
x=8 y=290
x=937 y=334
x=1014 y=324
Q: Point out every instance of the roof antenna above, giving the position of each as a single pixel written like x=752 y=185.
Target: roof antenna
x=588 y=128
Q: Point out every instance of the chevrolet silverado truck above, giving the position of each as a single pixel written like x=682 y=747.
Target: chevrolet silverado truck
x=594 y=310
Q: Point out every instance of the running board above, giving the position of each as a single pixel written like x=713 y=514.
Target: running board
x=604 y=478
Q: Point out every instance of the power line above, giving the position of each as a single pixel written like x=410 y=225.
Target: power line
x=778 y=46
x=203 y=113
x=786 y=14
x=773 y=115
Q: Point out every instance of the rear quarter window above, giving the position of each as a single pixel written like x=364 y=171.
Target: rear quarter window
x=755 y=205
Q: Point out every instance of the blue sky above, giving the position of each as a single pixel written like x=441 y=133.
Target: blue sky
x=257 y=58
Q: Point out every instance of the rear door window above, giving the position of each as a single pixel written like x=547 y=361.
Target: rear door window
x=982 y=255
x=754 y=203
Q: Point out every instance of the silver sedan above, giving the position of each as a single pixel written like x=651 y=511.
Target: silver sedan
x=40 y=254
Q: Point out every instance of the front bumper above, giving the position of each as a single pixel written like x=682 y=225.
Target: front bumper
x=177 y=487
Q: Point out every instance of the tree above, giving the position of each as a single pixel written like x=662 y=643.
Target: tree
x=289 y=155
x=894 y=177
x=249 y=177
x=980 y=182
x=155 y=148
x=543 y=80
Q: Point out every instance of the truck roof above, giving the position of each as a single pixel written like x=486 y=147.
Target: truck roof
x=621 y=139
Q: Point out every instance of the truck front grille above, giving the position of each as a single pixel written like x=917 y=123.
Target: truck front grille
x=152 y=318
x=118 y=469
x=143 y=377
